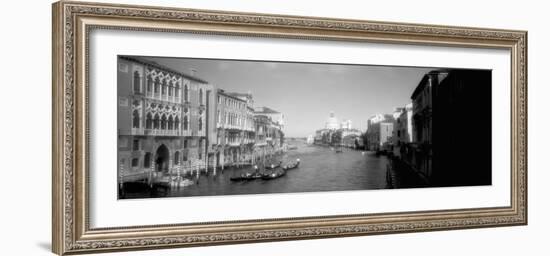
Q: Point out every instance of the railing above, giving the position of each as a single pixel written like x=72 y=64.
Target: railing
x=261 y=143
x=234 y=143
x=159 y=132
x=137 y=131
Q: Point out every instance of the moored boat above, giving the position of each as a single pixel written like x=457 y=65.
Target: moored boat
x=273 y=175
x=292 y=166
x=247 y=176
x=273 y=166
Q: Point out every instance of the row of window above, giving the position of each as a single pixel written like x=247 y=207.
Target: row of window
x=162 y=122
x=231 y=119
x=165 y=87
x=231 y=102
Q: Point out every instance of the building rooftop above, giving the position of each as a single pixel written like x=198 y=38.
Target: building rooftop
x=230 y=95
x=265 y=110
x=424 y=81
x=154 y=64
x=240 y=94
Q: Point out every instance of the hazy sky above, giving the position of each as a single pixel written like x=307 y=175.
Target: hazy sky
x=305 y=93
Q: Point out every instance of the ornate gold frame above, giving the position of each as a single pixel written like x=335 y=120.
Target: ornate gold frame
x=72 y=22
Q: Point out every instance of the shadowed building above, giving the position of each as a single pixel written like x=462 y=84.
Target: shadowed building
x=452 y=127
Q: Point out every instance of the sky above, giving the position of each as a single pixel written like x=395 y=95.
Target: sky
x=307 y=92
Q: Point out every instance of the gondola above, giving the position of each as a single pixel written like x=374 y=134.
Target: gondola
x=247 y=176
x=242 y=177
x=273 y=166
x=273 y=175
x=290 y=167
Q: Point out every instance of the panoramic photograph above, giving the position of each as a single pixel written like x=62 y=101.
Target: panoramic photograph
x=217 y=127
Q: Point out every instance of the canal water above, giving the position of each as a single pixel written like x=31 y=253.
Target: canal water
x=321 y=169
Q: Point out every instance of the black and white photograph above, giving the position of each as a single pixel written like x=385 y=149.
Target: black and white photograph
x=218 y=127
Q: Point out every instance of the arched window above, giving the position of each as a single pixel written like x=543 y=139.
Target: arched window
x=185 y=123
x=157 y=85
x=149 y=121
x=137 y=82
x=170 y=123
x=186 y=93
x=164 y=86
x=177 y=157
x=200 y=97
x=149 y=84
x=135 y=119
x=177 y=90
x=177 y=123
x=200 y=123
x=147 y=160
x=156 y=121
x=163 y=122
x=170 y=89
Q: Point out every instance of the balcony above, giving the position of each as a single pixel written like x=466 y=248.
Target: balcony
x=232 y=127
x=159 y=132
x=261 y=143
x=234 y=143
x=185 y=132
x=137 y=131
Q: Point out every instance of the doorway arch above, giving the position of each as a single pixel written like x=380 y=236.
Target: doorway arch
x=162 y=157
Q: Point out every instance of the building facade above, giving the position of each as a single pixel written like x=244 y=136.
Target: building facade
x=422 y=123
x=235 y=129
x=269 y=133
x=379 y=132
x=402 y=131
x=338 y=134
x=162 y=119
x=332 y=122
